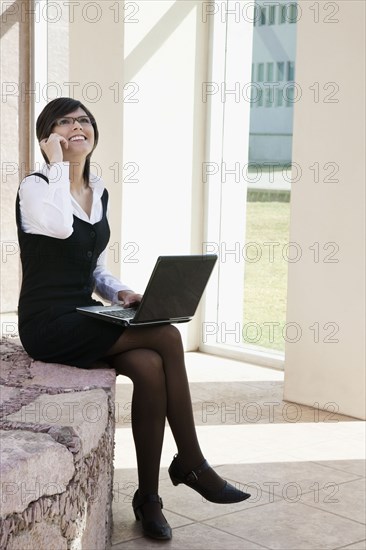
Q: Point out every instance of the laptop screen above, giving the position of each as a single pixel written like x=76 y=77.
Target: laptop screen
x=175 y=287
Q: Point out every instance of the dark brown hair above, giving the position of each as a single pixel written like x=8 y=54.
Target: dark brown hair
x=57 y=108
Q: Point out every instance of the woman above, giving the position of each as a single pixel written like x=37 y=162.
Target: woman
x=63 y=233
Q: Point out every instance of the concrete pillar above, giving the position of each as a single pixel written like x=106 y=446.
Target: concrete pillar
x=325 y=351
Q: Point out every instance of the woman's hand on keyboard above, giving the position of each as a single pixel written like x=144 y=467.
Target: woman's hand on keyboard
x=129 y=298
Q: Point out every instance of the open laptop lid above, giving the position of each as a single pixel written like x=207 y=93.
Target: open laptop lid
x=175 y=288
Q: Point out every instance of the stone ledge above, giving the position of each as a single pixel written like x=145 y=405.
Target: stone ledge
x=86 y=412
x=58 y=425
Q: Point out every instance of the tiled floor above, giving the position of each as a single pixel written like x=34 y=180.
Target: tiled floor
x=304 y=468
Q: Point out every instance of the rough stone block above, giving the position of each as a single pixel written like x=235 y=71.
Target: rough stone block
x=64 y=376
x=8 y=394
x=86 y=412
x=28 y=469
x=42 y=536
x=57 y=453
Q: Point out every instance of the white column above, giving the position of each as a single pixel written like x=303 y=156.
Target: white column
x=96 y=34
x=326 y=285
x=164 y=124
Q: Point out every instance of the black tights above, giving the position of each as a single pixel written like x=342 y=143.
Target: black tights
x=153 y=358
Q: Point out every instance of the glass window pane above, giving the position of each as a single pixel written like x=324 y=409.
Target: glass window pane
x=280 y=71
x=269 y=96
x=260 y=72
x=272 y=15
x=269 y=187
x=260 y=97
x=263 y=16
x=290 y=94
x=255 y=92
x=279 y=97
x=257 y=16
x=292 y=13
x=283 y=10
x=290 y=70
x=270 y=72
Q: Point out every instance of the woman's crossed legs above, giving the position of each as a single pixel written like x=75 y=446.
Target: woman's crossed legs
x=153 y=358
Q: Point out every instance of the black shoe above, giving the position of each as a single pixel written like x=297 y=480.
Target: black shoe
x=228 y=494
x=153 y=529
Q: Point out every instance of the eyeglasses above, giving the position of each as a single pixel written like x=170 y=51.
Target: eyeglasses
x=70 y=120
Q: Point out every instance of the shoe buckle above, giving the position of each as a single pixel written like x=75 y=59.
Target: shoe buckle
x=192 y=477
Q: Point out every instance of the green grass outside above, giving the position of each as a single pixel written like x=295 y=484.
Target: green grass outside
x=265 y=281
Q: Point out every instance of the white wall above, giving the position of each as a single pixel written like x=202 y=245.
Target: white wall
x=326 y=212
x=96 y=38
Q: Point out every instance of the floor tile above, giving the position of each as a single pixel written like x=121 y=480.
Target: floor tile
x=125 y=480
x=194 y=537
x=220 y=444
x=333 y=449
x=360 y=545
x=243 y=392
x=250 y=439
x=357 y=467
x=236 y=402
x=200 y=536
x=286 y=452
x=125 y=526
x=296 y=412
x=289 y=480
x=190 y=504
x=288 y=526
x=316 y=414
x=345 y=499
x=123 y=400
x=202 y=367
x=355 y=426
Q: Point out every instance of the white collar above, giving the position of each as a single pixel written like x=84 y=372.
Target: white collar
x=95 y=182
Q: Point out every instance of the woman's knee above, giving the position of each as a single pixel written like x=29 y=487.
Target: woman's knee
x=169 y=335
x=141 y=366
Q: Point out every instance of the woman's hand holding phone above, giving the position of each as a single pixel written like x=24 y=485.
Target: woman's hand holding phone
x=52 y=146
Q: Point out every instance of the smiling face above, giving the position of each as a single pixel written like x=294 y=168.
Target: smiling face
x=80 y=137
x=76 y=151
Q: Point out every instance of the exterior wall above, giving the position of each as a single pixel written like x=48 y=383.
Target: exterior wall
x=14 y=138
x=326 y=294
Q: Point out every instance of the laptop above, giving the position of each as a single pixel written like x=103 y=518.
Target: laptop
x=172 y=295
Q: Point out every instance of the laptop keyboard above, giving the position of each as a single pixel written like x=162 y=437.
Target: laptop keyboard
x=127 y=313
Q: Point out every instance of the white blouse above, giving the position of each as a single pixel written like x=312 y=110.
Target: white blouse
x=48 y=209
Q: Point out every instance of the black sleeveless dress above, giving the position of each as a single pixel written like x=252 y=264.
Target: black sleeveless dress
x=57 y=278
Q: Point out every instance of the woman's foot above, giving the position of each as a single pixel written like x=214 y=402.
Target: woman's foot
x=147 y=509
x=205 y=481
